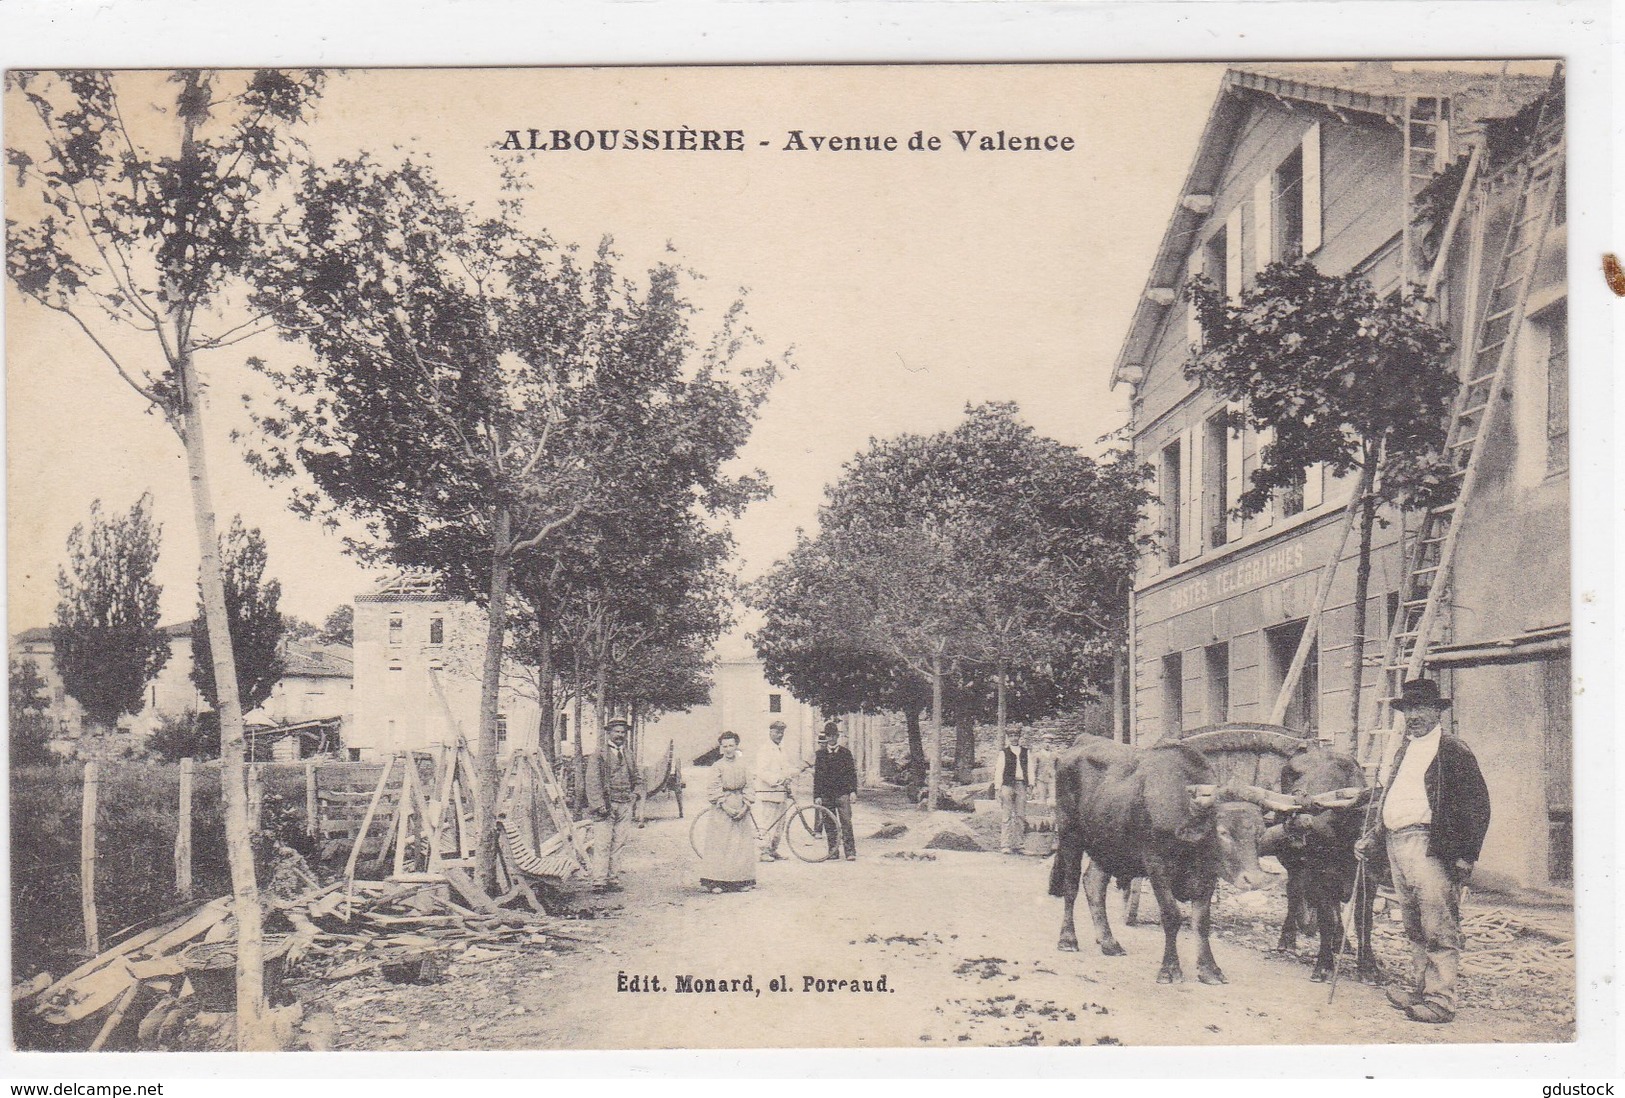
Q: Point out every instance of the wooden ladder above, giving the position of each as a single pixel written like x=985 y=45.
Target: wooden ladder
x=1430 y=559
x=1426 y=126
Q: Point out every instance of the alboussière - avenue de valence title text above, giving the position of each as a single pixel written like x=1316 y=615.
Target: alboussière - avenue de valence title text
x=688 y=139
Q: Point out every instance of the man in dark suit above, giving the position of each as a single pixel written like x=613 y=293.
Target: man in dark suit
x=1435 y=813
x=835 y=784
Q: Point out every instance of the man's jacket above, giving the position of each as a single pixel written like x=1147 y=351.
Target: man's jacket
x=834 y=774
x=611 y=780
x=1458 y=799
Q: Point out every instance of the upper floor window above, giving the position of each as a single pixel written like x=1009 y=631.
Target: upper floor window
x=1169 y=479
x=775 y=703
x=1216 y=478
x=502 y=729
x=437 y=630
x=1288 y=208
x=1557 y=393
x=397 y=630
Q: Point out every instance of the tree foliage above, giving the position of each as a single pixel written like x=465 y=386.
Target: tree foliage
x=257 y=630
x=28 y=708
x=106 y=641
x=1340 y=375
x=339 y=626
x=985 y=560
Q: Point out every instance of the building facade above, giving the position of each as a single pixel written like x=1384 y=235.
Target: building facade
x=1322 y=162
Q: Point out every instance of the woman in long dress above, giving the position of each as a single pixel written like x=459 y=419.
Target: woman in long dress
x=729 y=861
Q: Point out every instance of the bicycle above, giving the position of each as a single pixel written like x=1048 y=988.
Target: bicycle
x=802 y=829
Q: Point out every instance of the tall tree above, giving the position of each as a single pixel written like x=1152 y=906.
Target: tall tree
x=339 y=626
x=28 y=707
x=478 y=390
x=135 y=203
x=1342 y=377
x=256 y=622
x=106 y=641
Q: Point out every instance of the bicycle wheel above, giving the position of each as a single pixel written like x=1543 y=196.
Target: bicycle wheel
x=806 y=833
x=694 y=831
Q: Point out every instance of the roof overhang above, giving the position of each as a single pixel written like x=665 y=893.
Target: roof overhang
x=1533 y=645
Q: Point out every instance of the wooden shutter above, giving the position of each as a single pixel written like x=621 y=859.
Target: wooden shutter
x=1314 y=481
x=1234 y=485
x=1154 y=519
x=1263 y=221
x=1232 y=254
x=1266 y=517
x=1190 y=495
x=1311 y=190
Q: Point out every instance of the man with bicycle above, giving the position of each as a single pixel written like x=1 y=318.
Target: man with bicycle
x=774 y=771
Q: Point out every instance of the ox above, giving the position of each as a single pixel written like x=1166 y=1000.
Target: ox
x=1157 y=814
x=1317 y=850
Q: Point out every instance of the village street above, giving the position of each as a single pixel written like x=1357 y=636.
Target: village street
x=964 y=940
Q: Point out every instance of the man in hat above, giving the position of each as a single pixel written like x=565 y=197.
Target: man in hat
x=835 y=784
x=1435 y=812
x=1012 y=777
x=775 y=769
x=613 y=787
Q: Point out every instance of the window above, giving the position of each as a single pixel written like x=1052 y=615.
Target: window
x=1303 y=707
x=1216 y=502
x=1216 y=258
x=1173 y=693
x=1288 y=208
x=775 y=703
x=502 y=729
x=397 y=629
x=1557 y=393
x=355 y=754
x=1559 y=766
x=437 y=631
x=1216 y=668
x=1291 y=498
x=1172 y=511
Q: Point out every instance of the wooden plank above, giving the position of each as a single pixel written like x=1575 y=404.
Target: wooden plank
x=473 y=895
x=312 y=822
x=366 y=822
x=183 y=832
x=87 y=857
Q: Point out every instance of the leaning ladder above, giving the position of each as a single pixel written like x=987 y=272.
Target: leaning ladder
x=1426 y=126
x=1432 y=555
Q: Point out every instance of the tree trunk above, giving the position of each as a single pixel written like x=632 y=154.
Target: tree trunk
x=579 y=754
x=547 y=733
x=933 y=778
x=1362 y=585
x=999 y=687
x=600 y=692
x=964 y=749
x=253 y=1030
x=490 y=684
x=916 y=753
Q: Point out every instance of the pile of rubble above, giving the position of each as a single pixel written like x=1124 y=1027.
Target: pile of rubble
x=173 y=986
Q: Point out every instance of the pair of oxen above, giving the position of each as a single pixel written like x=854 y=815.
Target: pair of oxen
x=1162 y=814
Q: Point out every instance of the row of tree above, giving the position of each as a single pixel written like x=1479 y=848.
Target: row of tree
x=980 y=572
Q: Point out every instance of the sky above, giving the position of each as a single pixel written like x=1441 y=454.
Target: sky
x=904 y=284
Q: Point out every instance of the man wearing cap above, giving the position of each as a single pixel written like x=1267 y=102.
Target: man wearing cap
x=1435 y=812
x=835 y=783
x=774 y=771
x=613 y=786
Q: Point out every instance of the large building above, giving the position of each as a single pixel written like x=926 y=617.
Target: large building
x=1322 y=162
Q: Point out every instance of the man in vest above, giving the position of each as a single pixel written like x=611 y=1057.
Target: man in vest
x=1435 y=812
x=1012 y=776
x=613 y=786
x=774 y=771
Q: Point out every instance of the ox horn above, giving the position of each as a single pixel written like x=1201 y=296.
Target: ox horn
x=1267 y=799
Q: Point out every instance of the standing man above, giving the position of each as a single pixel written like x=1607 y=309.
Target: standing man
x=1012 y=776
x=835 y=784
x=1435 y=812
x=613 y=788
x=774 y=771
x=1044 y=771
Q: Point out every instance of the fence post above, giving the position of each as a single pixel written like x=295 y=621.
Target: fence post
x=256 y=795
x=87 y=857
x=311 y=824
x=183 y=833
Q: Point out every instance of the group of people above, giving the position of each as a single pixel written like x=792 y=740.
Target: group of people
x=1431 y=821
x=751 y=801
x=1021 y=777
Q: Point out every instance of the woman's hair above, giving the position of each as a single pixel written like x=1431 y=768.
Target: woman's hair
x=734 y=736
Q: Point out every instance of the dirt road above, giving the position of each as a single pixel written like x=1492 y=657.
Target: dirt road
x=965 y=944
